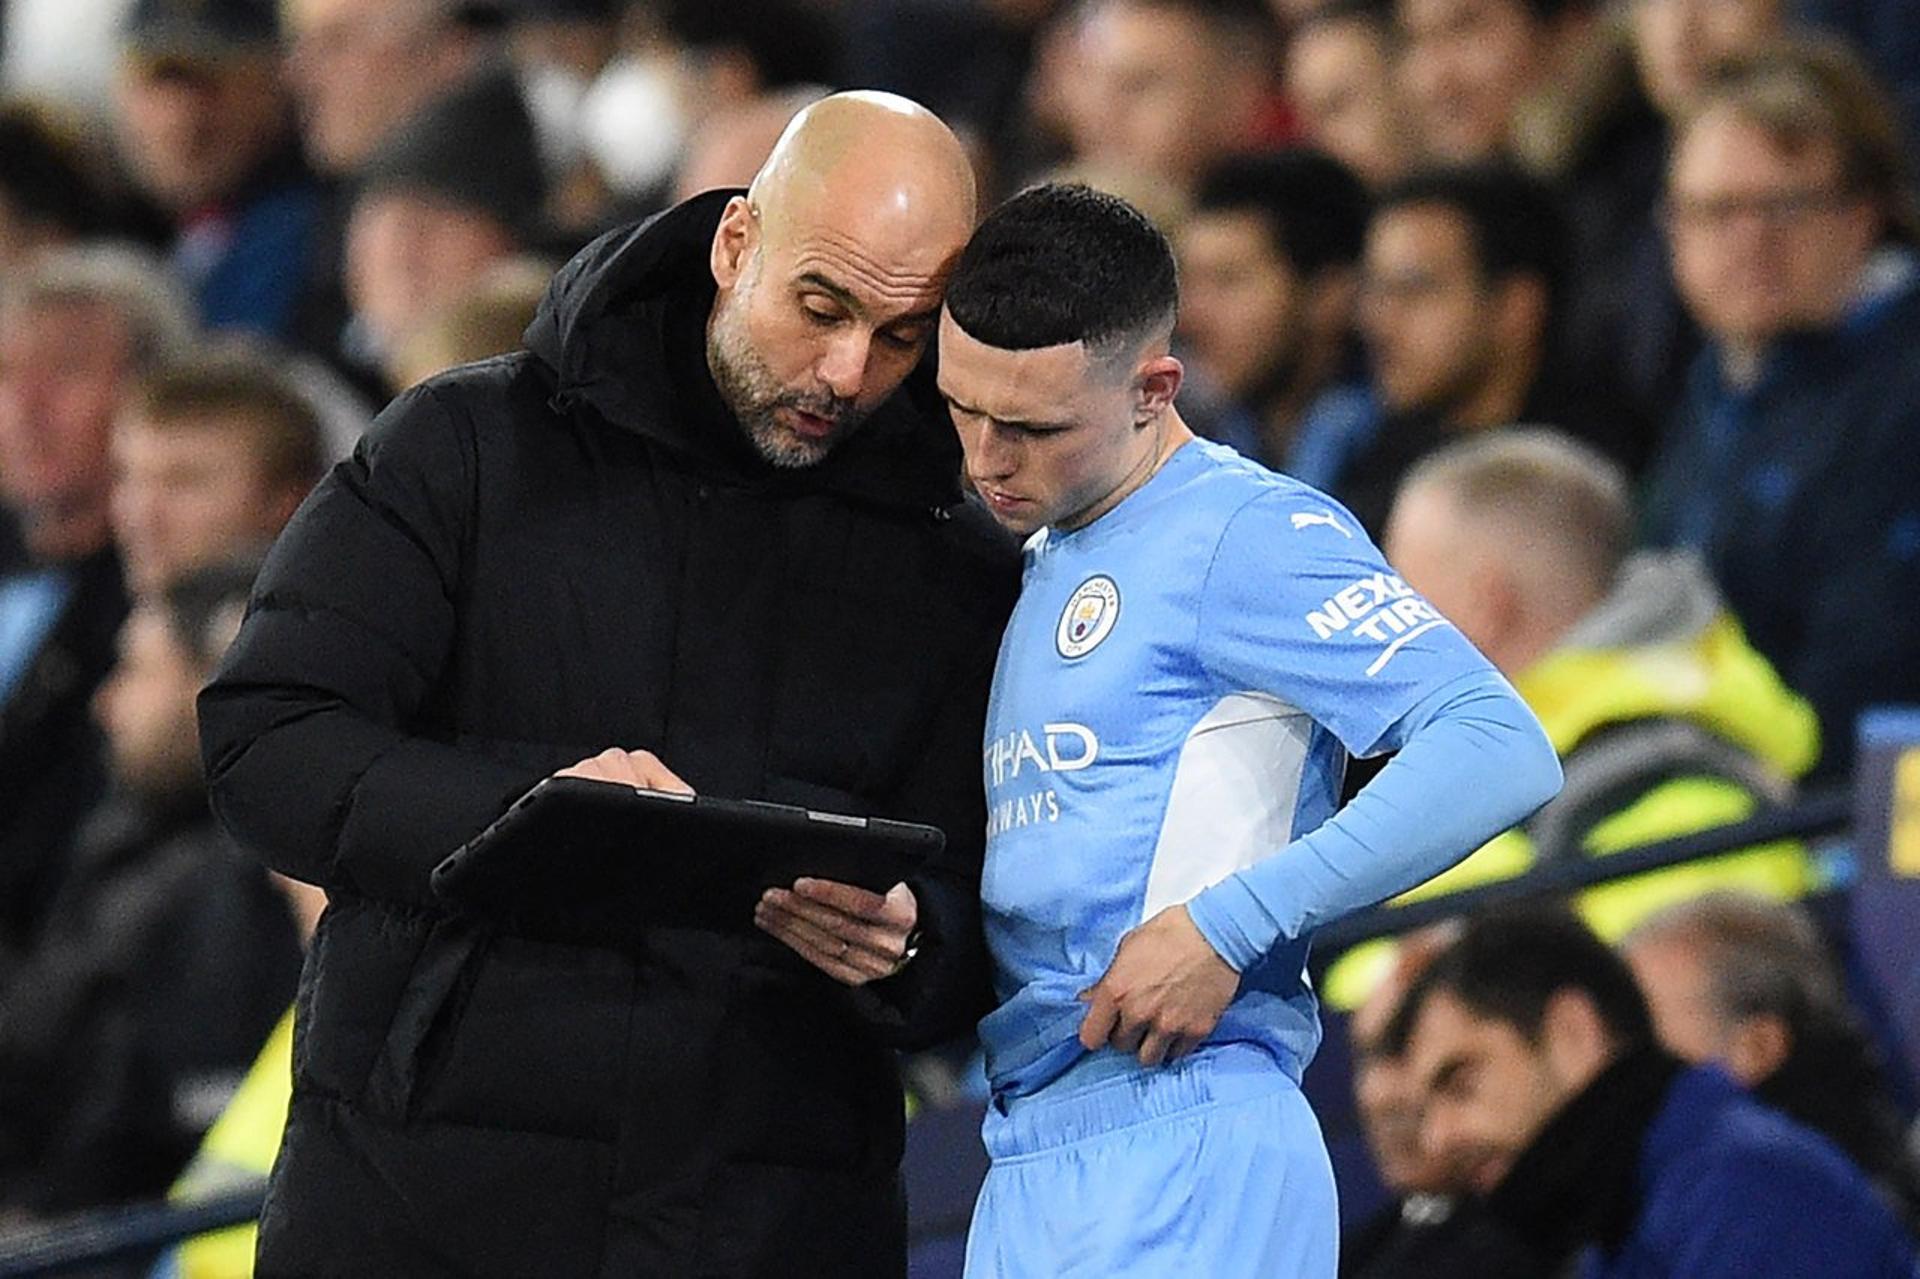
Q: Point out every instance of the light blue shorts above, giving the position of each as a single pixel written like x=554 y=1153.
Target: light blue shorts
x=1211 y=1168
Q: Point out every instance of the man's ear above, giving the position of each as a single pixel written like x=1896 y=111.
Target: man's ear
x=1575 y=1038
x=1521 y=307
x=1158 y=379
x=733 y=242
x=1757 y=1048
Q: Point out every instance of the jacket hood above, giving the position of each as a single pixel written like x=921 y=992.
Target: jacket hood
x=1662 y=644
x=601 y=331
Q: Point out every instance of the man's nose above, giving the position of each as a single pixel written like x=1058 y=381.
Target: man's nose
x=843 y=366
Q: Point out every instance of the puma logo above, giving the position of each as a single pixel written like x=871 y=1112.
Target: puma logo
x=1307 y=519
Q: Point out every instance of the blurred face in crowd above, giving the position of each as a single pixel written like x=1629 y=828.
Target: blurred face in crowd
x=62 y=371
x=408 y=253
x=1243 y=310
x=1677 y=43
x=1488 y=1089
x=1429 y=317
x=191 y=490
x=1687 y=1018
x=194 y=130
x=1160 y=95
x=1466 y=67
x=1054 y=436
x=1431 y=547
x=1766 y=237
x=1388 y=1096
x=360 y=67
x=1340 y=77
x=146 y=707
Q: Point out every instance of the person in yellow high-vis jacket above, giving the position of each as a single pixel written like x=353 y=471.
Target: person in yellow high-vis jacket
x=1667 y=722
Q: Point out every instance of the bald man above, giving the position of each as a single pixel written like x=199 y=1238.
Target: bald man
x=1666 y=720
x=698 y=536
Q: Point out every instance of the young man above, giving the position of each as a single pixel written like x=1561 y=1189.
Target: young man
x=1536 y=1061
x=1196 y=641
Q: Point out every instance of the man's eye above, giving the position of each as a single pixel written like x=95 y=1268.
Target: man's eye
x=903 y=340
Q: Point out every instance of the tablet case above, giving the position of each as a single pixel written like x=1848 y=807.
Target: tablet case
x=575 y=859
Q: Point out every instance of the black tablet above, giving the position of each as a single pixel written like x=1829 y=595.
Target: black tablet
x=578 y=856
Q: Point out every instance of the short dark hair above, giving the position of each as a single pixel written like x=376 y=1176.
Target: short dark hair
x=1508 y=965
x=241 y=382
x=198 y=603
x=1063 y=263
x=1513 y=220
x=1314 y=208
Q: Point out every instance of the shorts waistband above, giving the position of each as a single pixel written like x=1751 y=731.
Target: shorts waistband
x=1107 y=1091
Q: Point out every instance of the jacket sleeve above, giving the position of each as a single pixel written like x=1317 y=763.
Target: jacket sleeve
x=947 y=987
x=308 y=728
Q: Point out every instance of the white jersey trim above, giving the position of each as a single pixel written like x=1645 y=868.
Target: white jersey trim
x=1235 y=789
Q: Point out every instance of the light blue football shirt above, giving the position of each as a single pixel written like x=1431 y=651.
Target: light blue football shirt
x=1172 y=697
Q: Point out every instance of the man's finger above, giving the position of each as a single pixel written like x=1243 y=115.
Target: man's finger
x=849 y=898
x=845 y=953
x=1155 y=1047
x=886 y=940
x=844 y=967
x=1098 y=1024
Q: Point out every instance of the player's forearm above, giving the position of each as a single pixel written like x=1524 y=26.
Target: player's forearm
x=1476 y=763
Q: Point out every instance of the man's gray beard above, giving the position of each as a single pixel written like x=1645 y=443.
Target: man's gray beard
x=755 y=396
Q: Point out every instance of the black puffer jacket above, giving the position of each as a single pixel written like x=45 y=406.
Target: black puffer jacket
x=529 y=560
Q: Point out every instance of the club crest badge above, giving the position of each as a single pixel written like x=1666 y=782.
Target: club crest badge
x=1089 y=617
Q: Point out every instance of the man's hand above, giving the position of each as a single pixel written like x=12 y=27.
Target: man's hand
x=629 y=768
x=1163 y=993
x=852 y=935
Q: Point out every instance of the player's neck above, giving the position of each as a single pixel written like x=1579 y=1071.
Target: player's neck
x=1169 y=432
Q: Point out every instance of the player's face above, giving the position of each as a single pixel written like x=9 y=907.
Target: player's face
x=1487 y=1090
x=1050 y=436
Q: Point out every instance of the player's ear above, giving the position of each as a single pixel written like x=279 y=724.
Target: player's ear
x=1156 y=380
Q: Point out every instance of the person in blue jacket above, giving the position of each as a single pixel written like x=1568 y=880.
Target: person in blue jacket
x=1543 y=1084
x=1198 y=644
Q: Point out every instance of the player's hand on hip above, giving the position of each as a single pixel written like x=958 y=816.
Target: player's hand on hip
x=628 y=768
x=852 y=935
x=1162 y=995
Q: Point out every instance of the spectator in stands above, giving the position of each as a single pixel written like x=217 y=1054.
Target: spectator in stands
x=1432 y=1229
x=1340 y=77
x=167 y=955
x=1792 y=466
x=1170 y=88
x=75 y=328
x=459 y=190
x=1680 y=45
x=210 y=457
x=206 y=124
x=487 y=318
x=54 y=190
x=1536 y=1058
x=1269 y=267
x=1463 y=284
x=1748 y=984
x=360 y=68
x=1665 y=720
x=1470 y=67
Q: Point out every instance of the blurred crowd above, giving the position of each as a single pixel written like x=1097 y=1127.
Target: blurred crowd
x=1604 y=315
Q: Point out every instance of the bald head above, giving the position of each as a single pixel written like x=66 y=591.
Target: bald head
x=876 y=159
x=1514 y=537
x=830 y=269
